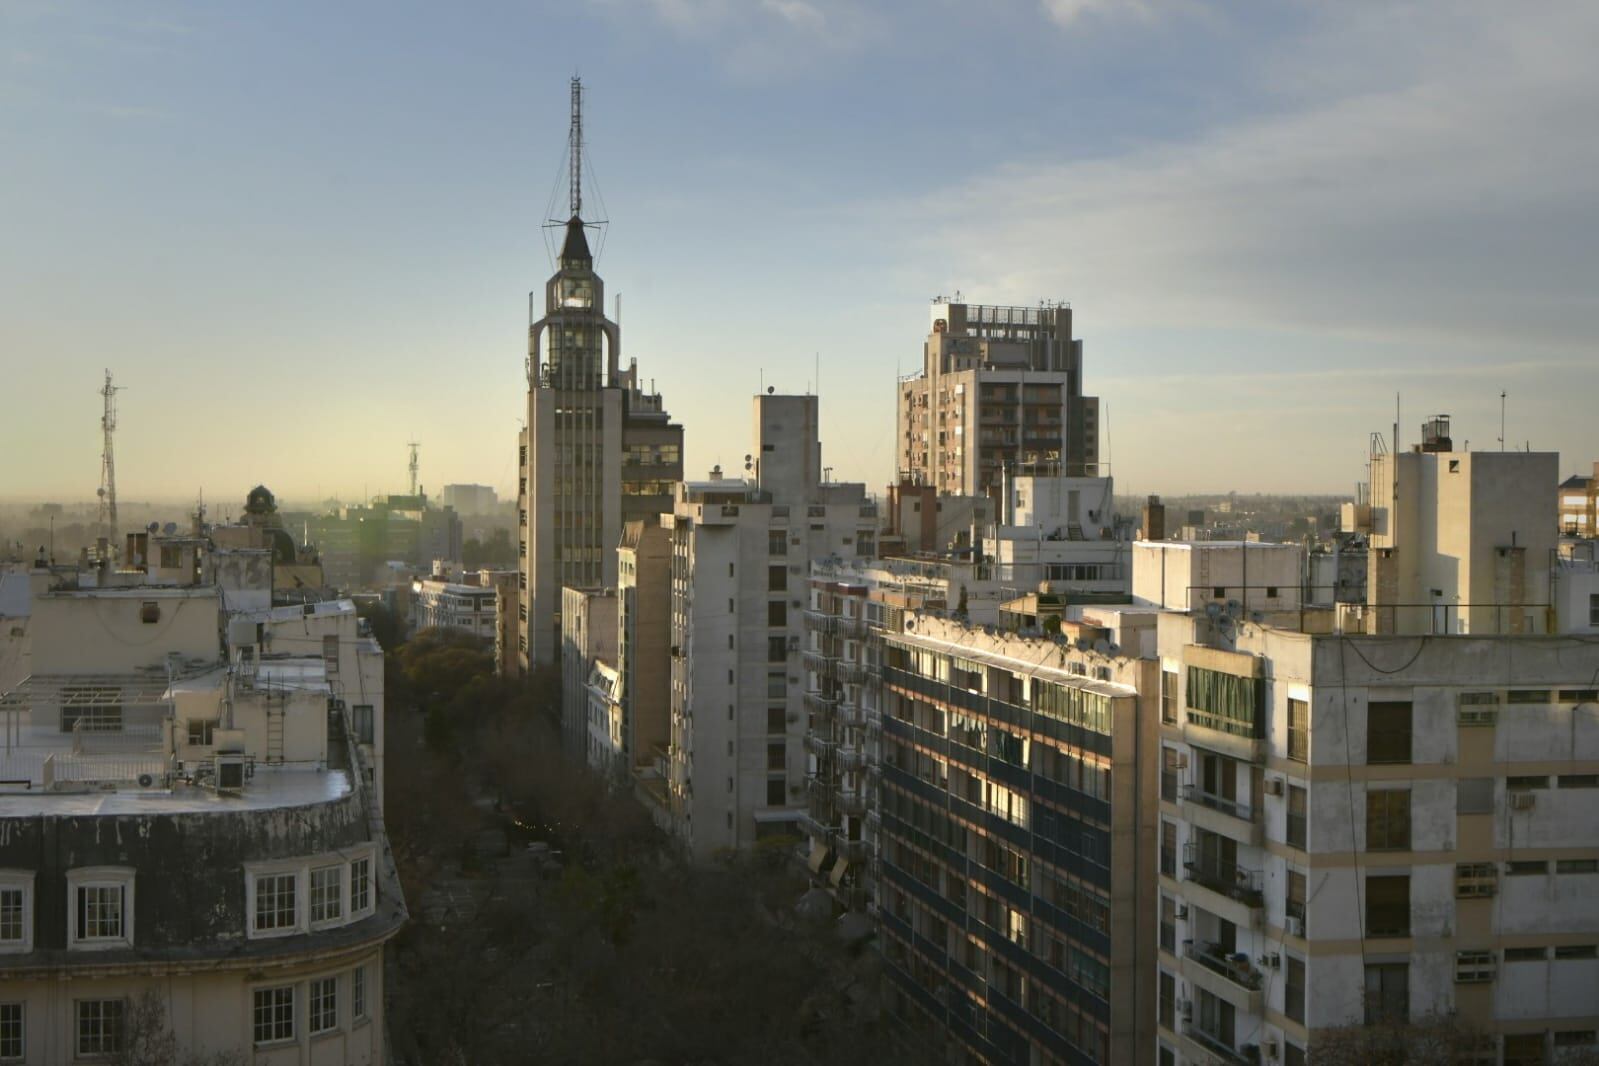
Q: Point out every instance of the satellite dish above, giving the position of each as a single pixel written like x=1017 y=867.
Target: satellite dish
x=1213 y=609
x=170 y=528
x=153 y=526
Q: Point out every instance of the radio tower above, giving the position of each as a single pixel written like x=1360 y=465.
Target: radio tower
x=415 y=466
x=108 y=464
x=574 y=148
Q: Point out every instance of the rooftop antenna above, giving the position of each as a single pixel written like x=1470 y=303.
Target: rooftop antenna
x=108 y=465
x=1501 y=419
x=414 y=445
x=574 y=148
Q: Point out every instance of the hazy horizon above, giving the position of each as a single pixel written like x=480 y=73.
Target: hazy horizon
x=303 y=236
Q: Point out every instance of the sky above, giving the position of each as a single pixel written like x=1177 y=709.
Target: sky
x=302 y=235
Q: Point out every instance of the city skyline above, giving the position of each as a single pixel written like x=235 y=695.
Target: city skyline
x=1267 y=222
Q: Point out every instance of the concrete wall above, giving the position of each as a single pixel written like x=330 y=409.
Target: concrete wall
x=73 y=630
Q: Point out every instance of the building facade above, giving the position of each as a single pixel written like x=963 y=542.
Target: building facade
x=999 y=387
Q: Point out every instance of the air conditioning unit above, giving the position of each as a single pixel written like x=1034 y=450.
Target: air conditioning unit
x=230 y=773
x=1294 y=925
x=1182 y=760
x=1522 y=801
x=1185 y=1009
x=1274 y=786
x=1272 y=961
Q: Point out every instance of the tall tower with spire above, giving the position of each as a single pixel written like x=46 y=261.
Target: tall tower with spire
x=597 y=449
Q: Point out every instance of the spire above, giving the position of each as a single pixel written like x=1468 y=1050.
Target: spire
x=577 y=245
x=574 y=151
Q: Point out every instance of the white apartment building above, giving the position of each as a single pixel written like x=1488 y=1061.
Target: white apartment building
x=741 y=553
x=467 y=603
x=194 y=819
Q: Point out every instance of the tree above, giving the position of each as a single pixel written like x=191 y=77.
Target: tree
x=147 y=1039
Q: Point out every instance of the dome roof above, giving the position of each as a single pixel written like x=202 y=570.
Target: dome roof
x=260 y=501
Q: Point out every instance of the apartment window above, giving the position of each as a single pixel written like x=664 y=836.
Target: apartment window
x=1168 y=774
x=776 y=788
x=1294 y=905
x=1526 y=954
x=1577 y=951
x=776 y=720
x=1388 y=906
x=276 y=905
x=13 y=1035
x=777 y=542
x=149 y=612
x=1474 y=880
x=323 y=1005
x=1474 y=795
x=1387 y=993
x=1388 y=731
x=362 y=714
x=1294 y=989
x=1297 y=817
x=776 y=686
x=1576 y=866
x=1527 y=868
x=274 y=1014
x=327 y=898
x=1168 y=696
x=102 y=907
x=777 y=613
x=358 y=994
x=1526 y=783
x=1527 y=695
x=1576 y=1037
x=99 y=1030
x=330 y=654
x=776 y=649
x=777 y=579
x=1168 y=849
x=1299 y=730
x=1168 y=1001
x=1593 y=609
x=1474 y=967
x=1293 y=1056
x=16 y=912
x=201 y=730
x=1578 y=781
x=1168 y=924
x=776 y=756
x=360 y=886
x=1388 y=819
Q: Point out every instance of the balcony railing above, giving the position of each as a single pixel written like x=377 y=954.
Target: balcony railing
x=821 y=622
x=1232 y=808
x=811 y=826
x=851 y=802
x=1217 y=1046
x=1228 y=878
x=820 y=701
x=1234 y=966
x=817 y=745
x=851 y=758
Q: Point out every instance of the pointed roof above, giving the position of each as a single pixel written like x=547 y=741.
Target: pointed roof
x=577 y=244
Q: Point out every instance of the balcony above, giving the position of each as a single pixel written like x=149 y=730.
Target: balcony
x=851 y=802
x=1226 y=817
x=855 y=628
x=815 y=660
x=1215 y=1048
x=812 y=827
x=1224 y=878
x=851 y=758
x=821 y=622
x=820 y=702
x=818 y=745
x=852 y=714
x=852 y=673
x=1227 y=974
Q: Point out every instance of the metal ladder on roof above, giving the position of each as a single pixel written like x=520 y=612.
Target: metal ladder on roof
x=274 y=736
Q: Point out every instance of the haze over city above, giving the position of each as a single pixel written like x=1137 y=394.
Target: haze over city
x=1269 y=218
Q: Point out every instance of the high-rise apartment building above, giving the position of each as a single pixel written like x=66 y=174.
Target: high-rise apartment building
x=1000 y=388
x=741 y=553
x=598 y=449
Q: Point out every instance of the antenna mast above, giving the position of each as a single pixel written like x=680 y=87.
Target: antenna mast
x=415 y=466
x=108 y=465
x=574 y=148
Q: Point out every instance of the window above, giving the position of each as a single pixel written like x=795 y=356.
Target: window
x=777 y=579
x=1525 y=783
x=776 y=787
x=1298 y=730
x=1168 y=924
x=358 y=994
x=1577 y=951
x=1388 y=731
x=360 y=885
x=1474 y=967
x=1168 y=849
x=776 y=756
x=1576 y=866
x=776 y=686
x=1294 y=989
x=200 y=731
x=1297 y=815
x=16 y=912
x=1387 y=993
x=1294 y=905
x=777 y=542
x=1527 y=868
x=1388 y=819
x=1578 y=781
x=776 y=649
x=1168 y=1001
x=327 y=895
x=91 y=709
x=323 y=1006
x=13 y=1037
x=1474 y=795
x=102 y=907
x=1168 y=774
x=276 y=907
x=1388 y=906
x=1474 y=880
x=149 y=612
x=1225 y=702
x=362 y=714
x=274 y=1014
x=1593 y=609
x=330 y=654
x=100 y=1026
x=1168 y=696
x=776 y=613
x=1526 y=954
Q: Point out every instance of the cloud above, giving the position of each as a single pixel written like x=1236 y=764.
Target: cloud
x=797 y=13
x=765 y=41
x=1068 y=12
